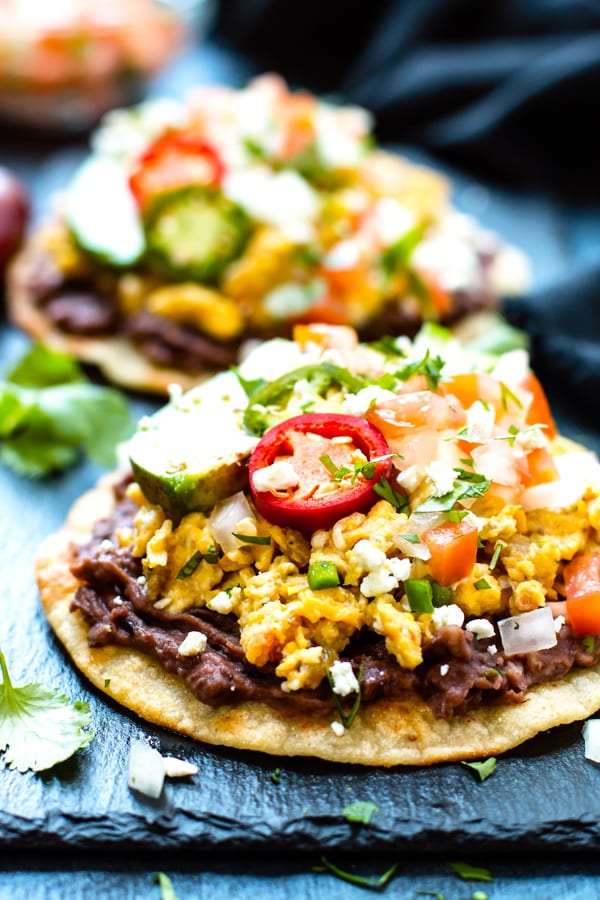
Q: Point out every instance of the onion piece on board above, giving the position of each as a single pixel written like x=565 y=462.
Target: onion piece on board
x=591 y=737
x=146 y=770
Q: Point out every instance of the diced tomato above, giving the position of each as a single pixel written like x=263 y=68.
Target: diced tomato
x=465 y=387
x=337 y=337
x=502 y=494
x=539 y=412
x=404 y=413
x=321 y=498
x=174 y=161
x=453 y=548
x=582 y=587
x=439 y=297
x=542 y=467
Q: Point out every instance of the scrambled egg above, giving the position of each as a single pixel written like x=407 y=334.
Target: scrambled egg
x=300 y=631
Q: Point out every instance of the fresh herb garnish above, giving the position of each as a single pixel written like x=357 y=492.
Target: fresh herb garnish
x=385 y=490
x=397 y=255
x=322 y=574
x=430 y=368
x=211 y=556
x=411 y=538
x=506 y=394
x=360 y=811
x=250 y=385
x=167 y=891
x=39 y=727
x=276 y=776
x=468 y=484
x=419 y=593
x=589 y=643
x=106 y=682
x=362 y=881
x=388 y=346
x=496 y=555
x=482 y=585
x=252 y=538
x=456 y=515
x=483 y=769
x=347 y=718
x=49 y=413
x=470 y=873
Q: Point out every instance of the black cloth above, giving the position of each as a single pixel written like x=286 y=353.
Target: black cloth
x=507 y=90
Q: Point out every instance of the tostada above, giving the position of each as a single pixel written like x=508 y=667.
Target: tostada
x=380 y=554
x=194 y=227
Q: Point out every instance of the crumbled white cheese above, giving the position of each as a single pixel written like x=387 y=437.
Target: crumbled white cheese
x=442 y=477
x=178 y=768
x=223 y=602
x=451 y=259
x=344 y=679
x=492 y=649
x=343 y=255
x=338 y=729
x=558 y=623
x=512 y=368
x=359 y=404
x=118 y=601
x=378 y=582
x=319 y=539
x=279 y=476
x=532 y=438
x=444 y=669
x=368 y=556
x=106 y=544
x=392 y=220
x=283 y=199
x=411 y=478
x=480 y=422
x=448 y=615
x=400 y=568
x=193 y=644
x=481 y=628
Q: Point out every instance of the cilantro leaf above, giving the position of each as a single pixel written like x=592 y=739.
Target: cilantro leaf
x=49 y=413
x=483 y=769
x=385 y=490
x=470 y=873
x=167 y=891
x=361 y=880
x=39 y=727
x=468 y=484
x=360 y=811
x=430 y=368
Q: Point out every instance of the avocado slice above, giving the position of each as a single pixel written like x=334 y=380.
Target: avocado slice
x=193 y=452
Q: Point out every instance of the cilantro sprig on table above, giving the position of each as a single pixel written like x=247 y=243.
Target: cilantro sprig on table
x=39 y=727
x=50 y=413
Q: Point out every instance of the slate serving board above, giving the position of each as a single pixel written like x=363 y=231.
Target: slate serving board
x=544 y=794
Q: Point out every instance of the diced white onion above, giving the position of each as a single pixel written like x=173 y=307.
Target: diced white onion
x=420 y=522
x=528 y=631
x=554 y=494
x=178 y=768
x=146 y=769
x=591 y=737
x=418 y=550
x=226 y=517
x=495 y=460
x=578 y=465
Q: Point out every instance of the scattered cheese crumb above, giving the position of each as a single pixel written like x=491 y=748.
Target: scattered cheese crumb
x=411 y=478
x=444 y=669
x=481 y=628
x=178 y=768
x=492 y=649
x=344 y=679
x=338 y=728
x=358 y=404
x=442 y=477
x=448 y=615
x=106 y=544
x=558 y=623
x=141 y=579
x=368 y=556
x=193 y=644
x=278 y=476
x=118 y=601
x=223 y=602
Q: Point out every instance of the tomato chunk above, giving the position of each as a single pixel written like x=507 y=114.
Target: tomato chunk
x=582 y=587
x=322 y=449
x=542 y=467
x=172 y=162
x=539 y=412
x=453 y=548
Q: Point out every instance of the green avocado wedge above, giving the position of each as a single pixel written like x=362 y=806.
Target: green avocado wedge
x=184 y=466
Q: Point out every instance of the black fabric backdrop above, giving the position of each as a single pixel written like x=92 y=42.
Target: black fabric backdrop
x=508 y=90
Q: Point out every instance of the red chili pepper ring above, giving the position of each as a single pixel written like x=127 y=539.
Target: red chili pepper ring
x=323 y=450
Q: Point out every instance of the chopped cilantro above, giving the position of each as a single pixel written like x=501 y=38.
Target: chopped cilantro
x=250 y=385
x=468 y=484
x=456 y=515
x=252 y=538
x=255 y=149
x=430 y=368
x=329 y=464
x=470 y=873
x=347 y=718
x=483 y=769
x=482 y=585
x=420 y=595
x=589 y=643
x=276 y=776
x=466 y=462
x=188 y=568
x=397 y=255
x=362 y=881
x=496 y=555
x=360 y=811
x=385 y=490
x=411 y=538
x=49 y=412
x=167 y=891
x=388 y=346
x=368 y=470
x=106 y=682
x=39 y=727
x=506 y=395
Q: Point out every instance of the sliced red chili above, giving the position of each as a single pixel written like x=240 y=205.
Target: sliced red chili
x=333 y=480
x=175 y=161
